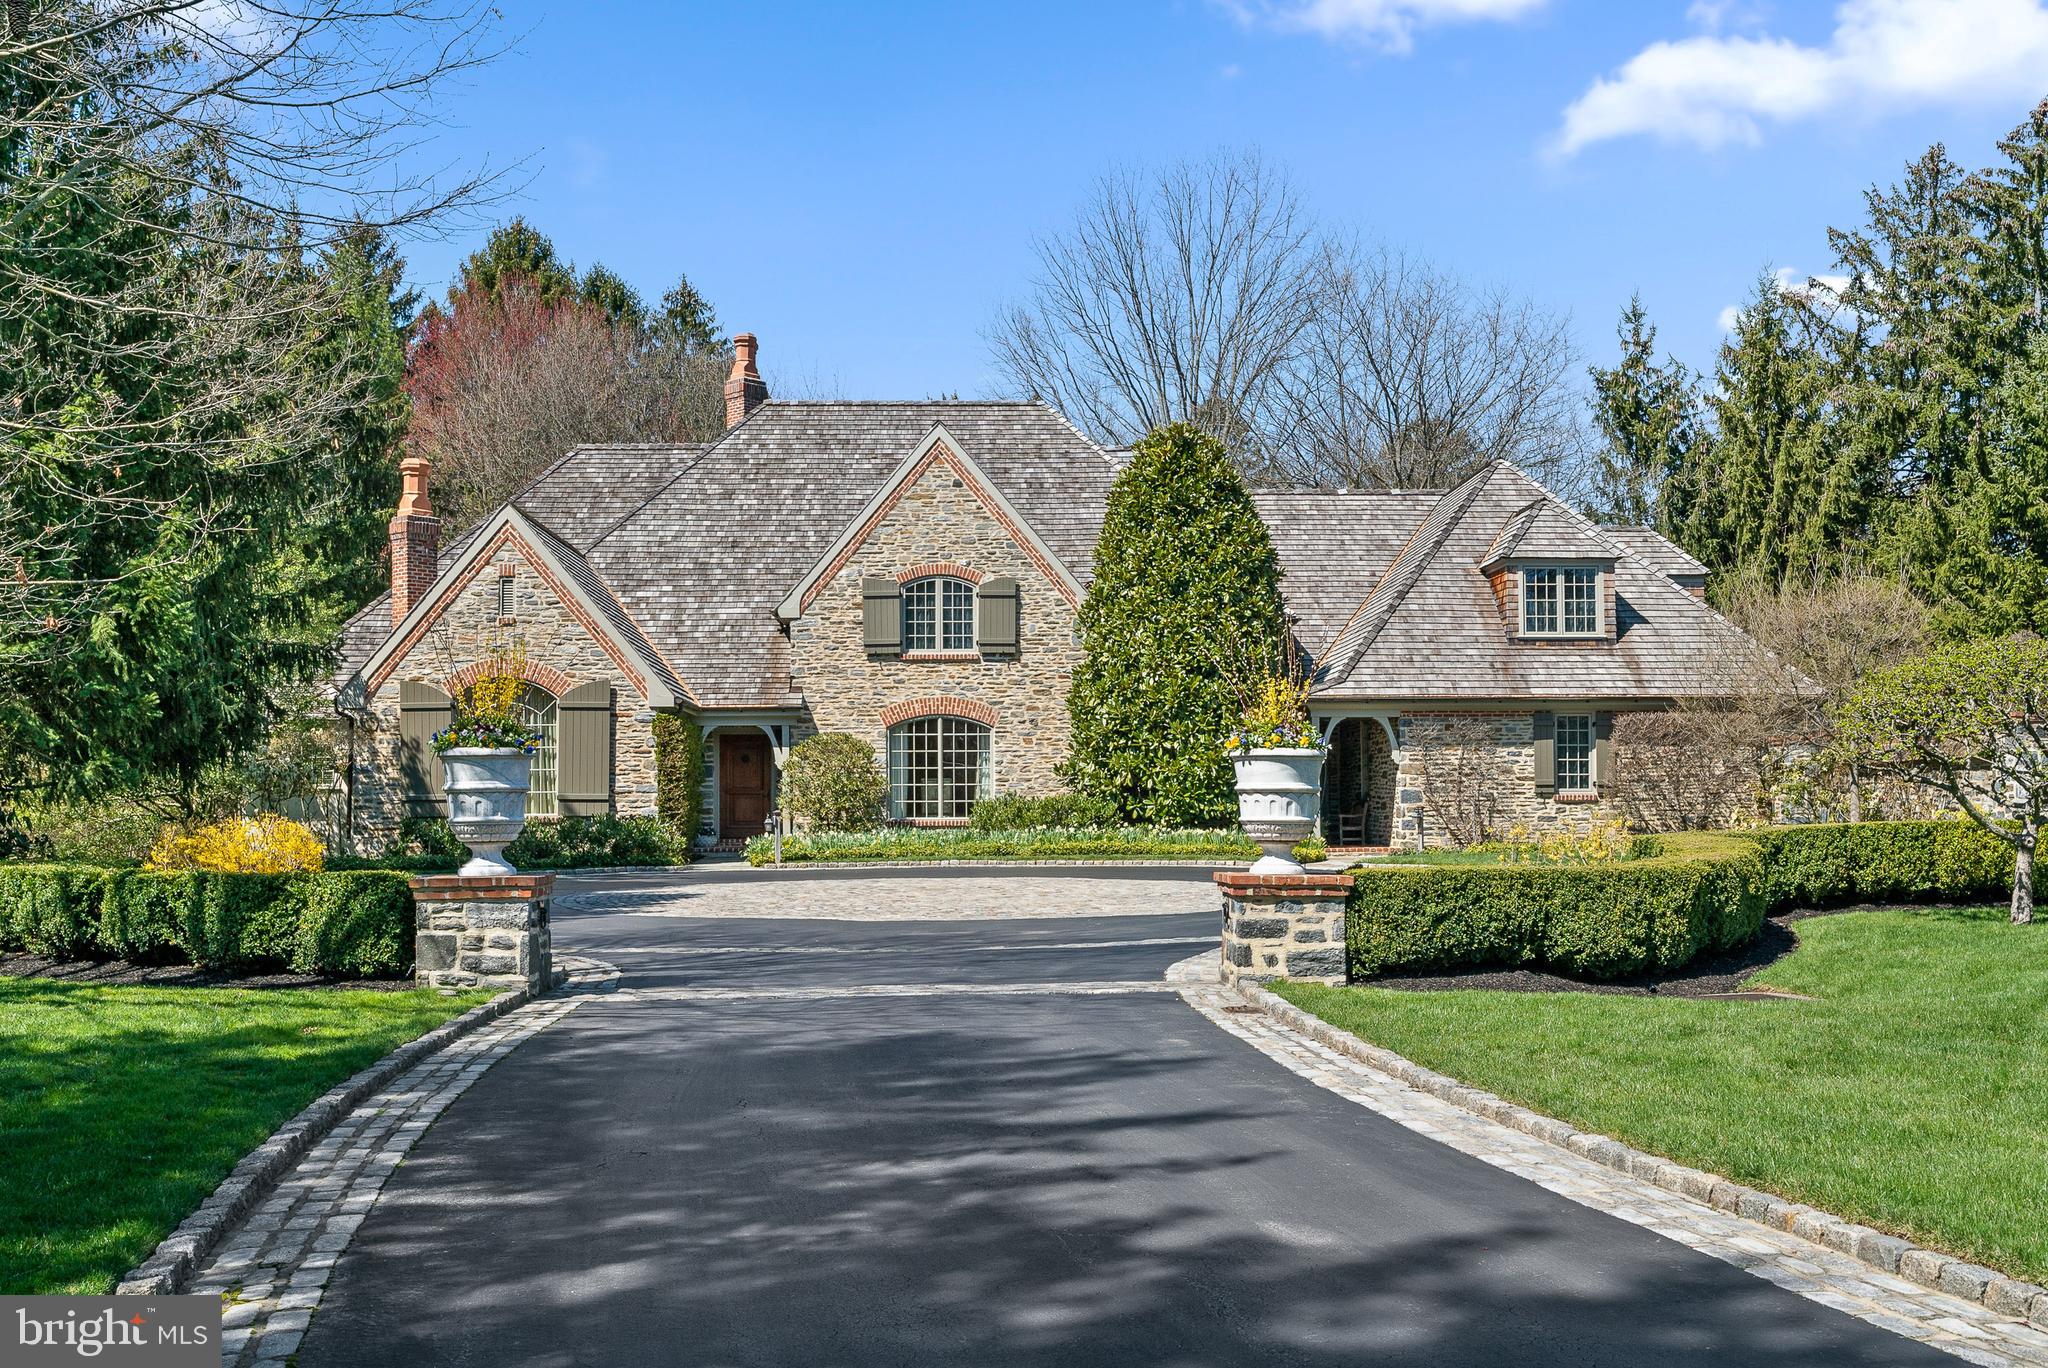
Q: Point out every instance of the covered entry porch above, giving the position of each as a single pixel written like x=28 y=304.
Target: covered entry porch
x=1359 y=780
x=743 y=760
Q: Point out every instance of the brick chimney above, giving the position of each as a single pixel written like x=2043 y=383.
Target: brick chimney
x=415 y=540
x=745 y=390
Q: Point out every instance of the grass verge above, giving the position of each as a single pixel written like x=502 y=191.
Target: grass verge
x=122 y=1108
x=1912 y=1096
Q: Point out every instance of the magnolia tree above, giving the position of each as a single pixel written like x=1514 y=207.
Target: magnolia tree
x=1972 y=722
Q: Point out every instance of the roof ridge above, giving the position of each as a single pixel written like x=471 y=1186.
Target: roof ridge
x=1402 y=572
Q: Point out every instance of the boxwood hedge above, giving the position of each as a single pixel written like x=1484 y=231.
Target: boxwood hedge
x=356 y=923
x=1682 y=896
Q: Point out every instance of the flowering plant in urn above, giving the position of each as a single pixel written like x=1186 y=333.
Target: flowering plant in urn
x=487 y=759
x=1278 y=756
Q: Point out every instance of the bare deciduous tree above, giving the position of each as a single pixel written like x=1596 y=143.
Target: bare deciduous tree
x=1175 y=297
x=167 y=168
x=503 y=384
x=1206 y=294
x=1407 y=378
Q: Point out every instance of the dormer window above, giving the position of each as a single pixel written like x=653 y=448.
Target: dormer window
x=938 y=614
x=1561 y=601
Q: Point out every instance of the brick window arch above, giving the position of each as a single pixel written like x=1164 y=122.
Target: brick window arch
x=533 y=672
x=936 y=705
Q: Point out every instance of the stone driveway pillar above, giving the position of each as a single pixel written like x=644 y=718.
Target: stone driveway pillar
x=1284 y=926
x=483 y=931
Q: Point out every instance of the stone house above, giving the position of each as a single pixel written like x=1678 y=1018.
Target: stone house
x=911 y=573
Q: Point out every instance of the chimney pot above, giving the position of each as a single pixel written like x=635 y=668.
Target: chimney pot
x=415 y=540
x=745 y=390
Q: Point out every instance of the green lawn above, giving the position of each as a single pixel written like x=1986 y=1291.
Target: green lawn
x=122 y=1108
x=1913 y=1096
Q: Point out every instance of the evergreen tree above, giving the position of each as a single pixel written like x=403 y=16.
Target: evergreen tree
x=604 y=288
x=1749 y=500
x=518 y=249
x=1185 y=575
x=686 y=319
x=1648 y=416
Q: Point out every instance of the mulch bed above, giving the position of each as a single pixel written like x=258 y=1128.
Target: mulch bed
x=1710 y=976
x=128 y=974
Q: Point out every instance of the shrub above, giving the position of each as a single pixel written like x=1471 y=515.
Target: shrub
x=1015 y=812
x=587 y=842
x=1811 y=866
x=423 y=838
x=1309 y=851
x=324 y=922
x=832 y=783
x=1604 y=920
x=266 y=844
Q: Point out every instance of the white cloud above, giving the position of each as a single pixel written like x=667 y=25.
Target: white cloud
x=1713 y=89
x=1822 y=289
x=1387 y=24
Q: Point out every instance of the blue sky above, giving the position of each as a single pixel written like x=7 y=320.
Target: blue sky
x=860 y=184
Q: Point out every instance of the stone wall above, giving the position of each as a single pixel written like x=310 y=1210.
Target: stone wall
x=561 y=654
x=1284 y=926
x=939 y=519
x=1461 y=771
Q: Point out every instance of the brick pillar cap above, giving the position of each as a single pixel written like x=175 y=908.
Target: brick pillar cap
x=1284 y=885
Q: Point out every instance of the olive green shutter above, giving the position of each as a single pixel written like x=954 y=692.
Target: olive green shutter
x=1545 y=727
x=583 y=750
x=422 y=711
x=995 y=616
x=1603 y=751
x=882 y=615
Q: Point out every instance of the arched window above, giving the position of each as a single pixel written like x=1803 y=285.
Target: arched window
x=938 y=768
x=938 y=614
x=537 y=710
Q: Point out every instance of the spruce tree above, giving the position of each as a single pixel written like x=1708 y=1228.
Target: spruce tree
x=1647 y=415
x=1185 y=577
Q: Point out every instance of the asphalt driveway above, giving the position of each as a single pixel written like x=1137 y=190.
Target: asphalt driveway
x=918 y=1141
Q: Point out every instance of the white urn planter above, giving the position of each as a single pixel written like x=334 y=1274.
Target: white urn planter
x=486 y=802
x=1279 y=796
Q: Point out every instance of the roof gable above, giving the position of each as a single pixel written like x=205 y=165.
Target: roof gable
x=579 y=588
x=939 y=448
x=1545 y=529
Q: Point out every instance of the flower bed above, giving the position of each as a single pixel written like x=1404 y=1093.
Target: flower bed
x=1038 y=843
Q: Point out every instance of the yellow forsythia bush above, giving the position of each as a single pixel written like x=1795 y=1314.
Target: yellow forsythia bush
x=266 y=844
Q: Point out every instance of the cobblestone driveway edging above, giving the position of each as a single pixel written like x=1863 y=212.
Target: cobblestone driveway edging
x=170 y=1265
x=1973 y=1312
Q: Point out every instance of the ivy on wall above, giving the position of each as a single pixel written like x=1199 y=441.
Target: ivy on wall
x=678 y=774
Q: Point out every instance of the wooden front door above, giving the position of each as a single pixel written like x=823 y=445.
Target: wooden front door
x=742 y=786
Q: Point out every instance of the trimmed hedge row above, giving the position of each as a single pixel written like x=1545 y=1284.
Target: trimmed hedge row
x=356 y=923
x=1681 y=896
x=1594 y=920
x=1043 y=843
x=425 y=844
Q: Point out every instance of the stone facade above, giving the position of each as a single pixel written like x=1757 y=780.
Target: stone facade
x=939 y=519
x=484 y=932
x=1284 y=926
x=561 y=653
x=1485 y=764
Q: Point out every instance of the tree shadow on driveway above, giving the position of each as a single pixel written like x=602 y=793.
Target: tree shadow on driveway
x=1030 y=1181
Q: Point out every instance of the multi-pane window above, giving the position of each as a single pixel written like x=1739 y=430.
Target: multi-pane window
x=938 y=767
x=1560 y=602
x=1574 y=753
x=537 y=710
x=938 y=615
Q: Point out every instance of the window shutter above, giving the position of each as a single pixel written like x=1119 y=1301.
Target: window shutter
x=882 y=615
x=1545 y=727
x=422 y=711
x=1603 y=751
x=995 y=616
x=583 y=750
